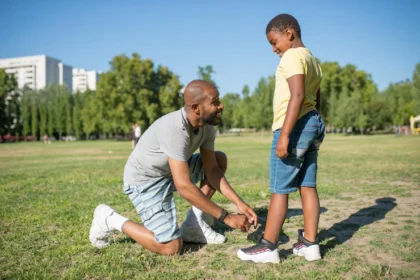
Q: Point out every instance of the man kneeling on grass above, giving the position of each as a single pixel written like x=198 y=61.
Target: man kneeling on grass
x=163 y=162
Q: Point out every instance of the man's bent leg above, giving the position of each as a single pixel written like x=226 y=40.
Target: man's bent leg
x=196 y=228
x=146 y=238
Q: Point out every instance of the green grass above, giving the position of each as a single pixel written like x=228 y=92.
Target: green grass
x=48 y=193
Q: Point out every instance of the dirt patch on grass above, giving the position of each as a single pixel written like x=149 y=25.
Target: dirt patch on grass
x=357 y=230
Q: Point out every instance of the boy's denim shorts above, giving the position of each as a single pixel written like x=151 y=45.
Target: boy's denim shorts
x=300 y=167
x=154 y=201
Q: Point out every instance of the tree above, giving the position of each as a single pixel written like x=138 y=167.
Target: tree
x=205 y=73
x=416 y=90
x=8 y=87
x=26 y=112
x=34 y=115
x=68 y=105
x=231 y=103
x=132 y=91
x=77 y=122
x=400 y=101
x=43 y=112
x=88 y=113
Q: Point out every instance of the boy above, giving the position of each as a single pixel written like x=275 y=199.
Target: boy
x=298 y=131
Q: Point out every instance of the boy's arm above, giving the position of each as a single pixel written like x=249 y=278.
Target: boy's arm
x=297 y=94
x=318 y=101
x=218 y=181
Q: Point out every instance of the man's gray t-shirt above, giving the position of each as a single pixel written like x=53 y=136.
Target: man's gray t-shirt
x=169 y=136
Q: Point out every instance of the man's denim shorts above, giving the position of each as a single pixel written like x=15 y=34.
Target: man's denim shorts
x=300 y=166
x=155 y=204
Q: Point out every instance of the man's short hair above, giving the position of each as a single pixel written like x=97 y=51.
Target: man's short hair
x=281 y=22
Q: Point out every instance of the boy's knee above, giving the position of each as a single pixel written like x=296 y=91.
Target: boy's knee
x=172 y=248
x=221 y=159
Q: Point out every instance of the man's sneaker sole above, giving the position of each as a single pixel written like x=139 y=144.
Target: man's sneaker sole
x=266 y=257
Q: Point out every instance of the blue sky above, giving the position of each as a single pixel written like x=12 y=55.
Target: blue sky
x=381 y=37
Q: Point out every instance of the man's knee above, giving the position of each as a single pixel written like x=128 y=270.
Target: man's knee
x=221 y=159
x=172 y=247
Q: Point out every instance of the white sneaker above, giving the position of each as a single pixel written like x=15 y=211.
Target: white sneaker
x=99 y=232
x=200 y=232
x=208 y=219
x=263 y=252
x=305 y=248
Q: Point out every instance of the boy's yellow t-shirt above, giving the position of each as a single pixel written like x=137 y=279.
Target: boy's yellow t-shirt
x=295 y=61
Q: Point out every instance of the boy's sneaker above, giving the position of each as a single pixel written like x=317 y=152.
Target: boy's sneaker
x=99 y=232
x=263 y=252
x=200 y=232
x=305 y=248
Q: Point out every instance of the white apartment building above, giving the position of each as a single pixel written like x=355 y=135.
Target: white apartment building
x=83 y=80
x=37 y=72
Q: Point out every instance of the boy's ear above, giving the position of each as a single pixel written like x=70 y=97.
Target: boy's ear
x=289 y=34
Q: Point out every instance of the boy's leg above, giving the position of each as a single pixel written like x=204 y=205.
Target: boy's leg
x=307 y=245
x=276 y=216
x=310 y=206
x=283 y=180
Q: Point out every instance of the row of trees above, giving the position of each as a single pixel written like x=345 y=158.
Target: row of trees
x=134 y=90
x=349 y=99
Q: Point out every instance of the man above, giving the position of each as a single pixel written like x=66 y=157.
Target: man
x=164 y=162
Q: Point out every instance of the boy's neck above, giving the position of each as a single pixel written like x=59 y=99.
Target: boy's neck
x=297 y=43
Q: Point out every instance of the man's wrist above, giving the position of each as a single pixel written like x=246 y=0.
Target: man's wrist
x=223 y=215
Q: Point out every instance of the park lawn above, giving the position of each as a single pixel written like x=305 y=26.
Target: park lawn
x=369 y=188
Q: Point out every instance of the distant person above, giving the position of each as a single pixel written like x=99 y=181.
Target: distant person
x=137 y=133
x=46 y=139
x=298 y=132
x=133 y=140
x=163 y=163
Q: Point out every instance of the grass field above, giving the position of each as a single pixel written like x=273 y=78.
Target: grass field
x=370 y=222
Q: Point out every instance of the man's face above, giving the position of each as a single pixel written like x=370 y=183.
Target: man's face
x=280 y=41
x=212 y=108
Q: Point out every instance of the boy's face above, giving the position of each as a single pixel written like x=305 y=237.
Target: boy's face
x=280 y=41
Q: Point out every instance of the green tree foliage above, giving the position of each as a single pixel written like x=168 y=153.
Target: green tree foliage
x=133 y=91
x=9 y=102
x=400 y=101
x=205 y=73
x=77 y=121
x=231 y=103
x=26 y=112
x=34 y=115
x=416 y=90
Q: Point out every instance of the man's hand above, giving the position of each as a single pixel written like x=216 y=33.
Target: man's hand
x=281 y=147
x=244 y=208
x=237 y=221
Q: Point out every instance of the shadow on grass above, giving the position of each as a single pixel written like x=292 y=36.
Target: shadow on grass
x=343 y=231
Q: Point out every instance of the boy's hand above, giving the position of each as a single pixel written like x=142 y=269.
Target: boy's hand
x=281 y=147
x=237 y=221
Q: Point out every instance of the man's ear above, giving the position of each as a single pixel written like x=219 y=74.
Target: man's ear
x=196 y=108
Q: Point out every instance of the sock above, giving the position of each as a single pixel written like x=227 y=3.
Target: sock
x=116 y=221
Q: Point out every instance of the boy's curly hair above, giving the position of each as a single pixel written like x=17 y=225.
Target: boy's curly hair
x=281 y=22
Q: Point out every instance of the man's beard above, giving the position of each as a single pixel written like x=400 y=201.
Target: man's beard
x=212 y=120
